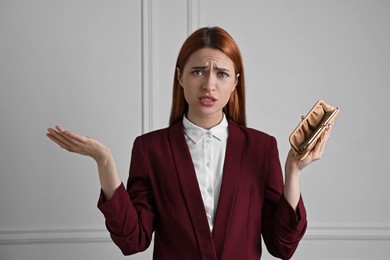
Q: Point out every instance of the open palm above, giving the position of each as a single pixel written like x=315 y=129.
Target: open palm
x=76 y=143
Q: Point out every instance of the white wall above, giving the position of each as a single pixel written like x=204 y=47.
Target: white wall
x=105 y=69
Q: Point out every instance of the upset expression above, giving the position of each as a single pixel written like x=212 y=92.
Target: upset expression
x=208 y=79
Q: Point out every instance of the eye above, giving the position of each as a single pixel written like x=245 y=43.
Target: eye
x=197 y=72
x=222 y=74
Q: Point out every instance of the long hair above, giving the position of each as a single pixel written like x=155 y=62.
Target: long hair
x=215 y=38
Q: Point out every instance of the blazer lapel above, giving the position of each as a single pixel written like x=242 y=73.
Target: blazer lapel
x=190 y=189
x=230 y=182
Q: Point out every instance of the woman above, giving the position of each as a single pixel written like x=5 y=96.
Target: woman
x=207 y=186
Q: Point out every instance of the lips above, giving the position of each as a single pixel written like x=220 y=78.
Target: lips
x=207 y=100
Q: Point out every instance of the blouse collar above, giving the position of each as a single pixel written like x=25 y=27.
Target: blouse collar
x=196 y=133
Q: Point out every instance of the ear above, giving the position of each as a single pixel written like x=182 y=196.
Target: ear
x=235 y=83
x=178 y=76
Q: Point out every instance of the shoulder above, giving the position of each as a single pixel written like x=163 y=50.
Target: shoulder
x=162 y=135
x=153 y=137
x=258 y=147
x=251 y=134
x=155 y=133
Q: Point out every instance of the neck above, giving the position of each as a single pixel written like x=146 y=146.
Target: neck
x=205 y=122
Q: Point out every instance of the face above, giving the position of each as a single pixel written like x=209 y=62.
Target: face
x=208 y=79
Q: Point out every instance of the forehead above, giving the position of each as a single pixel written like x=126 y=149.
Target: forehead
x=205 y=56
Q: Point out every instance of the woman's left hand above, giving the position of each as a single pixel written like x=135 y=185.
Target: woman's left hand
x=294 y=167
x=316 y=154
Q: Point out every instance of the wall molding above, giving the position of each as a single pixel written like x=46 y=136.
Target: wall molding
x=50 y=236
x=64 y=236
x=193 y=13
x=348 y=232
x=148 y=52
x=147 y=64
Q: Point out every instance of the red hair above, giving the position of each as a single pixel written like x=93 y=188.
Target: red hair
x=215 y=38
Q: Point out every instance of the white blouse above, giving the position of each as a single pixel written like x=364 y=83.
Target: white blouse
x=208 y=148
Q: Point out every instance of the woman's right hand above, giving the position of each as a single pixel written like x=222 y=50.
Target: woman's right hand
x=84 y=145
x=76 y=143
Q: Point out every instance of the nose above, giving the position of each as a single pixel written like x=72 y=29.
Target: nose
x=209 y=82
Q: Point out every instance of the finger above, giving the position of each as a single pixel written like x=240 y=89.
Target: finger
x=71 y=138
x=76 y=137
x=328 y=132
x=318 y=151
x=58 y=141
x=62 y=139
x=319 y=148
x=58 y=138
x=324 y=140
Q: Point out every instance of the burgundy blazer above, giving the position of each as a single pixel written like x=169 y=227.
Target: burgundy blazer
x=163 y=197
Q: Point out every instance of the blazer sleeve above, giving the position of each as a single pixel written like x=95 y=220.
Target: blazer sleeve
x=282 y=226
x=130 y=215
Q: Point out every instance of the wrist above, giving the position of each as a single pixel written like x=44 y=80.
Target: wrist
x=292 y=186
x=292 y=170
x=103 y=157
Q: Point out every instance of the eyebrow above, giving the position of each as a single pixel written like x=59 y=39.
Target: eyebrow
x=206 y=67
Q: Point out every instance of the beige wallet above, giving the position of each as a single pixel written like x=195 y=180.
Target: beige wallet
x=312 y=128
